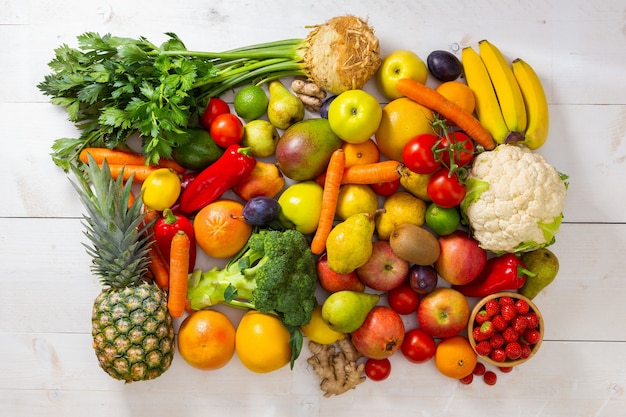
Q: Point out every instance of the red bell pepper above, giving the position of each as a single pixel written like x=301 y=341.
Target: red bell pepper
x=166 y=228
x=217 y=178
x=503 y=273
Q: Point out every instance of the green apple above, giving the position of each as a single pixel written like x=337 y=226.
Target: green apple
x=354 y=116
x=399 y=64
x=301 y=205
x=261 y=136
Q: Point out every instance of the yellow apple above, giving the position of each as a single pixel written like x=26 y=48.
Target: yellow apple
x=399 y=64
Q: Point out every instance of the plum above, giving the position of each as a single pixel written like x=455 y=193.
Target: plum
x=260 y=211
x=444 y=65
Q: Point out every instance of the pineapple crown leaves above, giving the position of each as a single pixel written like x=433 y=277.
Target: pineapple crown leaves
x=119 y=238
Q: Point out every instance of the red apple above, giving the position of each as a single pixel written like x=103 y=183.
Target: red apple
x=384 y=270
x=443 y=312
x=332 y=281
x=380 y=335
x=461 y=259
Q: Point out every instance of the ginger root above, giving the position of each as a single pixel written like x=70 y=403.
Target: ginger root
x=311 y=95
x=336 y=365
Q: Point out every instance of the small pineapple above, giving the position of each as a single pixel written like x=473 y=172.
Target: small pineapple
x=132 y=330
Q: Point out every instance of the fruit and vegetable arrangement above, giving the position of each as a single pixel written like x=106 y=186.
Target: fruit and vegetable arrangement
x=338 y=218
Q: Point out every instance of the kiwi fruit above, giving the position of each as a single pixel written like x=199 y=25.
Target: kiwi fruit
x=414 y=244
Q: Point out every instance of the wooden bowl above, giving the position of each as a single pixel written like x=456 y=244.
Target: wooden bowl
x=472 y=323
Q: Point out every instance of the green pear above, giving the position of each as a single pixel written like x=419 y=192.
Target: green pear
x=284 y=108
x=349 y=243
x=261 y=136
x=545 y=264
x=345 y=311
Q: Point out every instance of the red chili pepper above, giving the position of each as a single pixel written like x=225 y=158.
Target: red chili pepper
x=503 y=273
x=166 y=228
x=217 y=178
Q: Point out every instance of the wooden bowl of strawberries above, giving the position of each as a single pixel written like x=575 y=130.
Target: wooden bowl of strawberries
x=505 y=329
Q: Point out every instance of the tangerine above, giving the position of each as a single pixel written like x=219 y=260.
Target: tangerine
x=402 y=120
x=262 y=342
x=458 y=93
x=220 y=228
x=361 y=153
x=206 y=339
x=455 y=358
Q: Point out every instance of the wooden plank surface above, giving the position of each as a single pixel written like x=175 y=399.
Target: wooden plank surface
x=47 y=366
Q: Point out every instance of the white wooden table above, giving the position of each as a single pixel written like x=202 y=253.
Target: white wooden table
x=47 y=366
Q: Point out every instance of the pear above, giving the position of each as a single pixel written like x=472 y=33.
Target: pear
x=401 y=207
x=414 y=183
x=349 y=243
x=545 y=264
x=284 y=108
x=345 y=311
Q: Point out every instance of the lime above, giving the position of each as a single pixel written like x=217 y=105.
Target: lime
x=251 y=102
x=198 y=152
x=442 y=220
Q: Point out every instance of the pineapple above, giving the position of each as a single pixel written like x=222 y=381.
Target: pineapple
x=133 y=334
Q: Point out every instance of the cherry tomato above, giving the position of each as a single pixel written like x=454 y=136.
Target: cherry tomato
x=403 y=299
x=385 y=189
x=418 y=346
x=214 y=108
x=418 y=155
x=227 y=129
x=445 y=189
x=377 y=369
x=461 y=146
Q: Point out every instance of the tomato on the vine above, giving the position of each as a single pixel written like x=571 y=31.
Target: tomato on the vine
x=385 y=189
x=445 y=189
x=227 y=129
x=418 y=346
x=403 y=299
x=418 y=155
x=214 y=108
x=458 y=144
x=377 y=369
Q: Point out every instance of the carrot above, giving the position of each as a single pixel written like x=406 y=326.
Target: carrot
x=158 y=267
x=432 y=99
x=179 y=269
x=141 y=172
x=373 y=173
x=117 y=157
x=334 y=173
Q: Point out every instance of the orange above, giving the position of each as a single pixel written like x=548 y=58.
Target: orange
x=220 y=228
x=206 y=340
x=455 y=357
x=262 y=342
x=361 y=153
x=402 y=120
x=458 y=93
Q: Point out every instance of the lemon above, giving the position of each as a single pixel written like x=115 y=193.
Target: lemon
x=355 y=198
x=251 y=102
x=318 y=330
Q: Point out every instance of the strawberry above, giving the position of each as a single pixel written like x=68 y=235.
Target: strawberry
x=479 y=369
x=487 y=330
x=519 y=324
x=477 y=334
x=483 y=348
x=492 y=308
x=499 y=323
x=522 y=307
x=467 y=380
x=510 y=335
x=481 y=317
x=506 y=301
x=508 y=312
x=490 y=378
x=513 y=350
x=498 y=355
x=505 y=369
x=496 y=341
x=533 y=320
x=526 y=351
x=532 y=336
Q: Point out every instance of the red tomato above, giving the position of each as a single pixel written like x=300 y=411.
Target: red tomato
x=418 y=346
x=445 y=189
x=461 y=147
x=385 y=189
x=403 y=299
x=214 y=108
x=418 y=155
x=227 y=129
x=377 y=369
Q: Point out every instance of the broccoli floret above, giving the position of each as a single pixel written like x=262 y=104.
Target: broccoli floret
x=274 y=273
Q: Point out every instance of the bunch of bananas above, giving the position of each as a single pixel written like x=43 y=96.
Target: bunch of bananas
x=510 y=100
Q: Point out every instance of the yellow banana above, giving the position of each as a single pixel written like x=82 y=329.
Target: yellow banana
x=536 y=103
x=505 y=85
x=487 y=107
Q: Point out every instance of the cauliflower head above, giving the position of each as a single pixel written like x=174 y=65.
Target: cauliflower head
x=514 y=200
